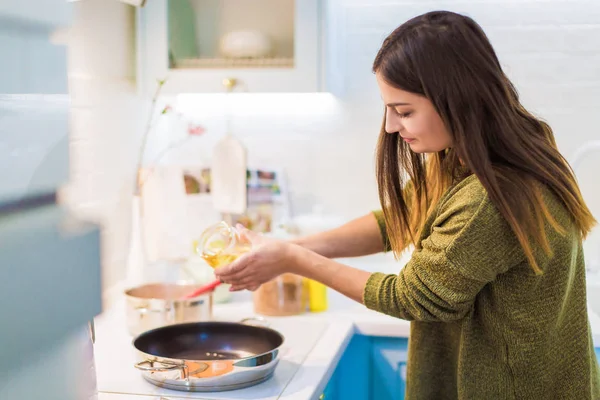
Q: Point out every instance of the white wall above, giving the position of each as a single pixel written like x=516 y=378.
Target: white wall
x=550 y=48
x=325 y=145
x=105 y=123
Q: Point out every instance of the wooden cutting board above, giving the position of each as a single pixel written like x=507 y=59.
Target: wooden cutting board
x=228 y=176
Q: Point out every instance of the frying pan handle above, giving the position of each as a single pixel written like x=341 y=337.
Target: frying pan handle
x=148 y=366
x=260 y=321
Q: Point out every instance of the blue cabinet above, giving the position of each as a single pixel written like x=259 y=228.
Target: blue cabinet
x=389 y=356
x=371 y=368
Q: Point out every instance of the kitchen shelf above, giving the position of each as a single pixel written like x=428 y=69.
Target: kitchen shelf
x=195 y=63
x=180 y=41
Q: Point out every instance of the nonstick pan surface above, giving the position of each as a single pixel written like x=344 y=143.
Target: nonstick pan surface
x=208 y=341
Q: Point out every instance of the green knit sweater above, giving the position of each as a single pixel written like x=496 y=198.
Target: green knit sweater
x=484 y=326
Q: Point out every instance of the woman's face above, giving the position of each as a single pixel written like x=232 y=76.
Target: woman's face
x=414 y=118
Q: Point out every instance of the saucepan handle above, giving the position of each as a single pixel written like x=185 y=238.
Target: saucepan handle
x=146 y=310
x=259 y=321
x=168 y=312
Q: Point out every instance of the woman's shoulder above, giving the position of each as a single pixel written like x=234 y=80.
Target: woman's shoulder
x=468 y=212
x=470 y=195
x=471 y=231
x=467 y=195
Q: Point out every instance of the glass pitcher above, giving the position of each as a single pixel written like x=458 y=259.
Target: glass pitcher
x=221 y=244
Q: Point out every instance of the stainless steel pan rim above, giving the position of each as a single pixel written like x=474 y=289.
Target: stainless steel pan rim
x=171 y=364
x=190 y=386
x=224 y=369
x=221 y=388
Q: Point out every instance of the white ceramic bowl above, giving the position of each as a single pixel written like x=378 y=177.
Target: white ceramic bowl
x=245 y=44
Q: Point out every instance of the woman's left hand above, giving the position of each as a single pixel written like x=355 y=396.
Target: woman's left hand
x=268 y=259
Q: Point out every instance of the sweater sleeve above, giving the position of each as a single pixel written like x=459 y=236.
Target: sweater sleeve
x=383 y=230
x=469 y=244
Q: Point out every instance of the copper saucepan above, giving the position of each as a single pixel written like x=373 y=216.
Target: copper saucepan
x=159 y=304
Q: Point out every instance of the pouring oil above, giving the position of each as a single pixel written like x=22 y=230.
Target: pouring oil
x=215 y=255
x=218 y=260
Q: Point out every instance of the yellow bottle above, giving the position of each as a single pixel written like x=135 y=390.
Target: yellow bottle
x=317 y=296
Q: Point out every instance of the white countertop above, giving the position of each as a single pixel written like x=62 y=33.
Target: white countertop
x=313 y=346
x=314 y=343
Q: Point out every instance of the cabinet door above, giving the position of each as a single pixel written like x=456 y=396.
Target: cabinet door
x=41 y=13
x=31 y=62
x=352 y=377
x=51 y=265
x=33 y=100
x=372 y=368
x=330 y=392
x=201 y=74
x=389 y=356
x=34 y=149
x=50 y=262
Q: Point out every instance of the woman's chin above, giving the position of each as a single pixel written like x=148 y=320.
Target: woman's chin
x=415 y=148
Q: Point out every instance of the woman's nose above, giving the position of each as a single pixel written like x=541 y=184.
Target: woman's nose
x=392 y=123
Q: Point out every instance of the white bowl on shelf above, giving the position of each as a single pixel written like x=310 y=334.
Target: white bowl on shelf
x=245 y=44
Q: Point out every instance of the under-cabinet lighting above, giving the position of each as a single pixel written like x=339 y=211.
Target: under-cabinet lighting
x=258 y=104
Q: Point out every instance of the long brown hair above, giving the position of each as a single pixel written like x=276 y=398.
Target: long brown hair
x=447 y=58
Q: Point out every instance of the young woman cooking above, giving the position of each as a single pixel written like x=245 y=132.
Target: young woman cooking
x=495 y=289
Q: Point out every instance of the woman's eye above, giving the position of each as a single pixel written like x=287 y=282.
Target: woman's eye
x=403 y=114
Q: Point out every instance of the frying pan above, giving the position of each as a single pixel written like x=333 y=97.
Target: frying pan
x=208 y=356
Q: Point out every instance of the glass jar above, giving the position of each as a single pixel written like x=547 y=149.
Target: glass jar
x=221 y=244
x=284 y=295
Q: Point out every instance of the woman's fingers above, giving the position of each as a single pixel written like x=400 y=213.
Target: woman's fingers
x=254 y=287
x=243 y=275
x=240 y=280
x=230 y=269
x=244 y=286
x=235 y=268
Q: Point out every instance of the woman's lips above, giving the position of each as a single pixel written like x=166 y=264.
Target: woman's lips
x=408 y=140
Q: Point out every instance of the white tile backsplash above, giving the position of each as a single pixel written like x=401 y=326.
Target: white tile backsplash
x=551 y=48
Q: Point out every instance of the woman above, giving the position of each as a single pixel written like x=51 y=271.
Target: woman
x=495 y=287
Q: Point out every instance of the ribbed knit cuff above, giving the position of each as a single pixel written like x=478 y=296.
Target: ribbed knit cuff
x=372 y=289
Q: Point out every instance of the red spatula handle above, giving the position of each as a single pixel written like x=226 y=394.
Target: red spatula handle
x=209 y=287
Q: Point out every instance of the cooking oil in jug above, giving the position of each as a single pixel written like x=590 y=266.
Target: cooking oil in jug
x=221 y=244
